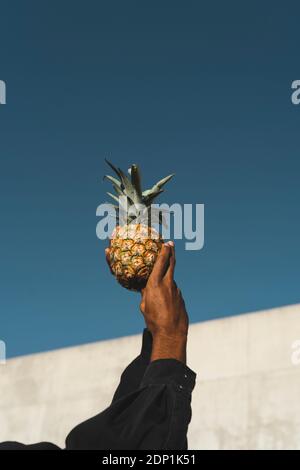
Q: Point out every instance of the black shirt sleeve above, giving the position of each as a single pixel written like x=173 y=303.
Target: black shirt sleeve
x=12 y=445
x=131 y=377
x=150 y=410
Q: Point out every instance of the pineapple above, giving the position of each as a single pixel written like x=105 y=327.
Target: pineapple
x=134 y=244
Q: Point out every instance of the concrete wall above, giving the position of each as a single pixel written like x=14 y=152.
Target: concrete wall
x=247 y=394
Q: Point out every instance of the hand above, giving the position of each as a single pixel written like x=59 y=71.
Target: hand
x=163 y=308
x=107 y=250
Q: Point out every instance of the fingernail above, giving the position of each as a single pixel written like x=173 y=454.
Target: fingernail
x=171 y=243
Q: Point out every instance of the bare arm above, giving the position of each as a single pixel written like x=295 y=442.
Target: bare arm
x=164 y=310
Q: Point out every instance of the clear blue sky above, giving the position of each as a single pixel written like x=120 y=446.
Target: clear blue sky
x=201 y=89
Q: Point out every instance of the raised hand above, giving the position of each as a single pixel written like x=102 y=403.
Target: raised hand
x=164 y=310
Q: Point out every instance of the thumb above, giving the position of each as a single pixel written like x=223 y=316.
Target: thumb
x=142 y=302
x=170 y=272
x=107 y=253
x=161 y=264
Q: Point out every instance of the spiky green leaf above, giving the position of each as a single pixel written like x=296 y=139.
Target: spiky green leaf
x=162 y=182
x=113 y=196
x=150 y=195
x=129 y=189
x=113 y=180
x=118 y=190
x=136 y=180
x=113 y=168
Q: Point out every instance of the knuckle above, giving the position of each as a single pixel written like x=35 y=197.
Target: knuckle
x=154 y=283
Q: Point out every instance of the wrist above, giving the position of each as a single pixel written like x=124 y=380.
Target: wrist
x=169 y=346
x=171 y=334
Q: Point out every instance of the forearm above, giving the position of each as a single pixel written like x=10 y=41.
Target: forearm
x=162 y=345
x=169 y=346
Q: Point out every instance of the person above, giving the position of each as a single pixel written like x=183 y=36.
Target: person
x=151 y=407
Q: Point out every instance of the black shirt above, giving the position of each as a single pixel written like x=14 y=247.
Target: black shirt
x=150 y=410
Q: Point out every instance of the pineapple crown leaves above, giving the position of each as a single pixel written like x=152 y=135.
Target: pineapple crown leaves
x=132 y=190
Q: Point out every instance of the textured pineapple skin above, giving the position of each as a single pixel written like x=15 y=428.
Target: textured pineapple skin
x=133 y=250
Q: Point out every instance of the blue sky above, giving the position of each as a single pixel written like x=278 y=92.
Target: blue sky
x=199 y=89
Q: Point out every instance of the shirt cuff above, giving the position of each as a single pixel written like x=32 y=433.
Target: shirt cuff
x=146 y=344
x=169 y=371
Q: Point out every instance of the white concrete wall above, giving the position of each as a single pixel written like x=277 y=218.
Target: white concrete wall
x=247 y=394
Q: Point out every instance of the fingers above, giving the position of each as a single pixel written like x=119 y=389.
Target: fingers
x=143 y=294
x=161 y=265
x=107 y=258
x=170 y=271
x=142 y=307
x=181 y=296
x=107 y=255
